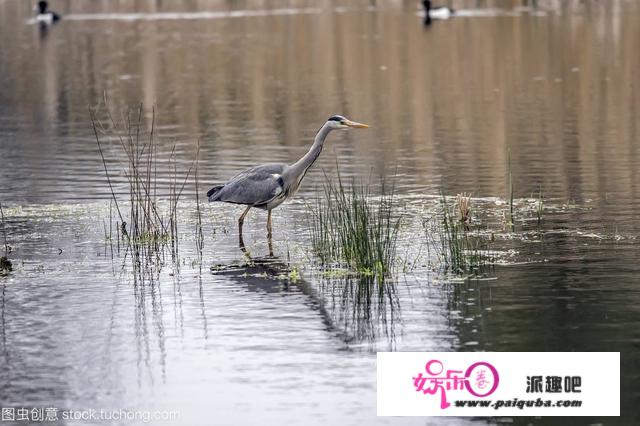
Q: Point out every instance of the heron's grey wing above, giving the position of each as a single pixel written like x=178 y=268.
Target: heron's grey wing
x=255 y=186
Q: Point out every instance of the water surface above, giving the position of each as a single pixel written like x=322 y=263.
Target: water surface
x=549 y=94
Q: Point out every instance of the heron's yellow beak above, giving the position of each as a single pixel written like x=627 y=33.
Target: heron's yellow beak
x=356 y=124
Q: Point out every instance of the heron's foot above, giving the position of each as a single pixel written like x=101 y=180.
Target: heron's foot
x=270 y=243
x=242 y=247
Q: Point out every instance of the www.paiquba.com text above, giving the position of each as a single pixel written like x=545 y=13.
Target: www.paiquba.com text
x=518 y=403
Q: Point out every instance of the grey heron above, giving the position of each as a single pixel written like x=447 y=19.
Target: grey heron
x=269 y=185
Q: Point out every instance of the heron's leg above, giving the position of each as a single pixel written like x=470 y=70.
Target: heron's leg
x=269 y=225
x=242 y=247
x=269 y=233
x=241 y=220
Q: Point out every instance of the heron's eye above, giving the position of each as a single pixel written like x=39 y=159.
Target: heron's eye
x=344 y=123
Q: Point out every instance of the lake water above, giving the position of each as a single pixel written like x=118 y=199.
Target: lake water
x=548 y=94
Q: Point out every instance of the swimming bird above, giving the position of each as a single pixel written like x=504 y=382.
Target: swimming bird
x=44 y=16
x=269 y=185
x=438 y=12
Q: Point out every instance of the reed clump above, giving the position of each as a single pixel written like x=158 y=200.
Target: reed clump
x=351 y=228
x=144 y=224
x=463 y=208
x=458 y=247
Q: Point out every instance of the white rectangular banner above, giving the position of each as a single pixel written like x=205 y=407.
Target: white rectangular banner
x=498 y=383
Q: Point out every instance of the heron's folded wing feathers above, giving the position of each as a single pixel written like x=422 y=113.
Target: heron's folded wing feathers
x=254 y=186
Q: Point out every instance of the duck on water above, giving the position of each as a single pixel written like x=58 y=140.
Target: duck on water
x=44 y=15
x=436 y=12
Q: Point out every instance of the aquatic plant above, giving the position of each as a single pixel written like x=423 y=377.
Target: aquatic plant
x=5 y=263
x=199 y=233
x=463 y=208
x=146 y=228
x=349 y=227
x=511 y=210
x=540 y=206
x=456 y=246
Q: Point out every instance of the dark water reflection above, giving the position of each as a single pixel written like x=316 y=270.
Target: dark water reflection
x=553 y=88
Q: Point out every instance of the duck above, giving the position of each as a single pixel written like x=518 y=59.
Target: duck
x=438 y=12
x=44 y=15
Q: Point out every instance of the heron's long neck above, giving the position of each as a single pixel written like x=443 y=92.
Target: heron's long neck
x=300 y=167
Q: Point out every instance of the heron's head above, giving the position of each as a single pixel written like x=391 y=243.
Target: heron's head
x=340 y=122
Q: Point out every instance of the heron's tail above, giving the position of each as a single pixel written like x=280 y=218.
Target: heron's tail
x=211 y=194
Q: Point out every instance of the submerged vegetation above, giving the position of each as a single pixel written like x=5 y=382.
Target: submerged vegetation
x=147 y=220
x=351 y=228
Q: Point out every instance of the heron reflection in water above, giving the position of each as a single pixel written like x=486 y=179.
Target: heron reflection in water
x=269 y=185
x=354 y=310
